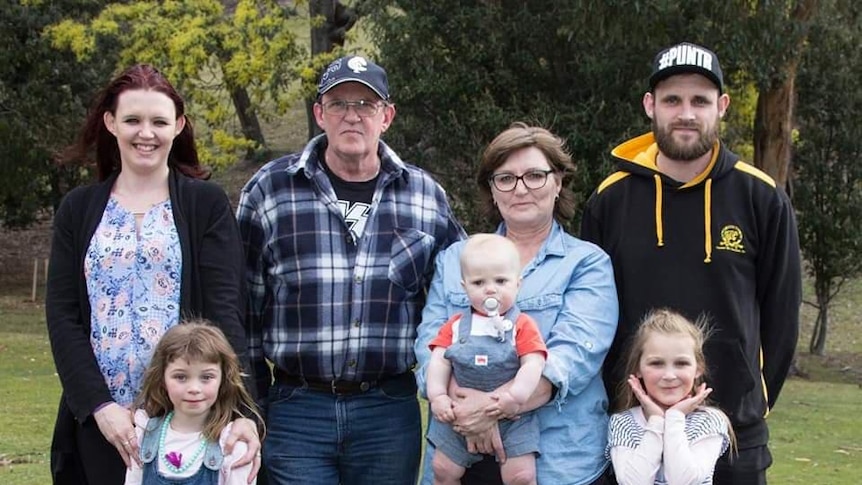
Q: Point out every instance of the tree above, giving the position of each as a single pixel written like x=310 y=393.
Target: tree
x=781 y=34
x=829 y=147
x=43 y=96
x=247 y=54
x=330 y=21
x=462 y=71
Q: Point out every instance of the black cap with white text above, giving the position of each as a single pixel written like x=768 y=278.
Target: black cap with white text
x=686 y=58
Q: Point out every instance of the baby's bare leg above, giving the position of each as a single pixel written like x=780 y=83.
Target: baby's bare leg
x=446 y=471
x=519 y=470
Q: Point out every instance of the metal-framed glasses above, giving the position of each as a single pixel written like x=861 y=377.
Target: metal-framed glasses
x=364 y=108
x=506 y=182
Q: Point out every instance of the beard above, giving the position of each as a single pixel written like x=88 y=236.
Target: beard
x=685 y=152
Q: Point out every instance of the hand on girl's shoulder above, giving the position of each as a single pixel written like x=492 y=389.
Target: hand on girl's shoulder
x=239 y=448
x=230 y=475
x=141 y=419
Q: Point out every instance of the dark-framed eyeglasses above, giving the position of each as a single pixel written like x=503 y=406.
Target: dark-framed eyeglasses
x=364 y=108
x=506 y=182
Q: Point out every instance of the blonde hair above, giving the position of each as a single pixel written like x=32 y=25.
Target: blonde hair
x=668 y=322
x=198 y=340
x=483 y=243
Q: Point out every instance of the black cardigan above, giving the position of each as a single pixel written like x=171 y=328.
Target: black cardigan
x=211 y=285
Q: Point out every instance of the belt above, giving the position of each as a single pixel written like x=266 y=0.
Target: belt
x=334 y=387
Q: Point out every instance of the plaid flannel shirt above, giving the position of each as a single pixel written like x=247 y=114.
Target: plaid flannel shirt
x=322 y=303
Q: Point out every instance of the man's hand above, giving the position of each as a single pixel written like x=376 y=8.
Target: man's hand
x=245 y=430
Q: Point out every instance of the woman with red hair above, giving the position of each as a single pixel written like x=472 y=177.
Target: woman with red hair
x=148 y=245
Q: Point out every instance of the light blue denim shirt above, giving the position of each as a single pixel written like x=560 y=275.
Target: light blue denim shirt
x=568 y=288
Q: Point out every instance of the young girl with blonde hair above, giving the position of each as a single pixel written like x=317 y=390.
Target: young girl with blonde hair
x=667 y=434
x=192 y=392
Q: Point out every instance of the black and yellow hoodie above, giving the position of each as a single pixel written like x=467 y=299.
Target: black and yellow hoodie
x=724 y=245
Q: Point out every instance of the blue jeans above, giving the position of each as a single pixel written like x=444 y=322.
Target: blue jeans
x=361 y=439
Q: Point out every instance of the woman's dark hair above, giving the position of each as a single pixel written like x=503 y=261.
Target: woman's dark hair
x=95 y=137
x=519 y=135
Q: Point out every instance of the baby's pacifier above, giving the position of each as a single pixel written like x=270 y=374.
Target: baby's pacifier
x=491 y=305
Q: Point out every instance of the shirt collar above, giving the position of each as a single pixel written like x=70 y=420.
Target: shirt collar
x=308 y=161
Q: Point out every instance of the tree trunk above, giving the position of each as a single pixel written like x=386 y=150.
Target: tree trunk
x=817 y=345
x=772 y=128
x=249 y=124
x=774 y=117
x=337 y=20
x=319 y=44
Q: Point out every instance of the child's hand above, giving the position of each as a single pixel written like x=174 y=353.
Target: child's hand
x=503 y=406
x=441 y=408
x=689 y=404
x=650 y=408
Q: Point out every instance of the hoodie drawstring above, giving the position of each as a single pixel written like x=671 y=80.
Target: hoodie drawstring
x=707 y=216
x=707 y=220
x=659 y=230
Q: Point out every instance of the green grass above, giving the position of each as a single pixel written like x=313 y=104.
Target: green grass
x=816 y=433
x=29 y=392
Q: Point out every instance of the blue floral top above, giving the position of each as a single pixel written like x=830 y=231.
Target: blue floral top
x=133 y=282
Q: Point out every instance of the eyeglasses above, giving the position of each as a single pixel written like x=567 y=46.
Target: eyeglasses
x=363 y=107
x=506 y=182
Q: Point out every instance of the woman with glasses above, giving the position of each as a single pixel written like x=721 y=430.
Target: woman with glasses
x=567 y=288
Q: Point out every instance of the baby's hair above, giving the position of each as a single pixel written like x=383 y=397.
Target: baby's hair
x=667 y=322
x=483 y=243
x=198 y=340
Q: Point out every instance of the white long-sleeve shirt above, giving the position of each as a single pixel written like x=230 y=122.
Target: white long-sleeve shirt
x=676 y=449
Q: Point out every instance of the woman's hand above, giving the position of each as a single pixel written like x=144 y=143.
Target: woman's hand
x=245 y=430
x=650 y=408
x=489 y=443
x=504 y=406
x=117 y=426
x=469 y=408
x=691 y=403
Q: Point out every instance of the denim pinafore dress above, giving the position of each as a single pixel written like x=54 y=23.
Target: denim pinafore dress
x=207 y=474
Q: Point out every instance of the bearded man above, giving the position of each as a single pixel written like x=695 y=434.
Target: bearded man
x=691 y=227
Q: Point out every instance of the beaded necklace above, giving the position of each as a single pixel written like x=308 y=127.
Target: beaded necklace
x=173 y=461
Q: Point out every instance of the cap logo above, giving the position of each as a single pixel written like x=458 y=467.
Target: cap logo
x=685 y=55
x=357 y=64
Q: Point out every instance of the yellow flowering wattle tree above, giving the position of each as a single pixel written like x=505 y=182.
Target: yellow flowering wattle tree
x=234 y=64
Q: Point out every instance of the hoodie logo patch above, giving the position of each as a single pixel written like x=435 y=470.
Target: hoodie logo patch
x=731 y=239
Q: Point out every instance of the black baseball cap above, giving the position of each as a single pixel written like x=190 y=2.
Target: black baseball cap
x=686 y=58
x=354 y=69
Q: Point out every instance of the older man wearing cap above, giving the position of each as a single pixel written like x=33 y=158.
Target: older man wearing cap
x=690 y=226
x=340 y=242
